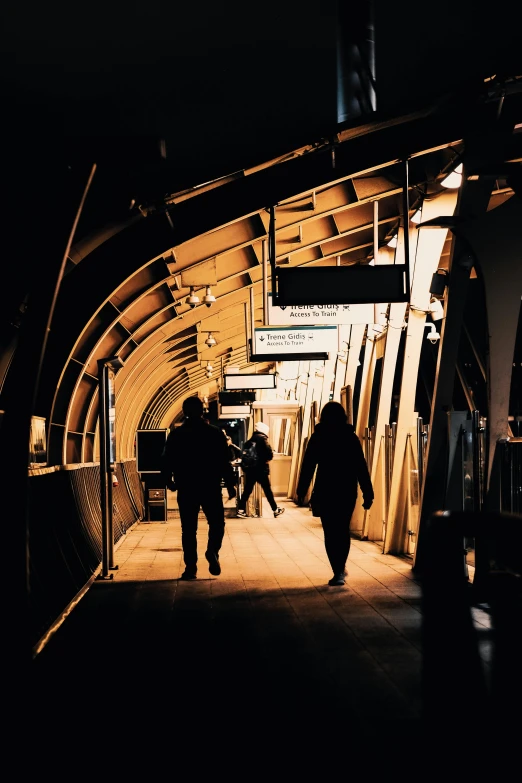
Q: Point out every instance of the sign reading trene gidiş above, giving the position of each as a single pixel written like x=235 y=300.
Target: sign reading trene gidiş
x=300 y=339
x=319 y=314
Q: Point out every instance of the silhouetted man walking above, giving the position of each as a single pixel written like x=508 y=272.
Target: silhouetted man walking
x=195 y=460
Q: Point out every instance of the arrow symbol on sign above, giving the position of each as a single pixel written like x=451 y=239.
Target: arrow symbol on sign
x=262 y=338
x=283 y=307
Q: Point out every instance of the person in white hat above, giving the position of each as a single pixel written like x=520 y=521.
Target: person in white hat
x=257 y=453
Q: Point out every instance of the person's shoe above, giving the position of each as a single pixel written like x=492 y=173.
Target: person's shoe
x=279 y=511
x=188 y=576
x=213 y=563
x=241 y=513
x=337 y=580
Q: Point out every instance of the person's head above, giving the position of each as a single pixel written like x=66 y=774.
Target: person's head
x=333 y=414
x=193 y=408
x=263 y=428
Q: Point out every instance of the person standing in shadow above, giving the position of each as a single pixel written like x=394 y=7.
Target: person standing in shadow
x=335 y=450
x=194 y=462
x=259 y=471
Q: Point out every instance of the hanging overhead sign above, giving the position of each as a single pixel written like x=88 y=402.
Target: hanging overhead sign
x=284 y=340
x=328 y=285
x=319 y=314
x=249 y=381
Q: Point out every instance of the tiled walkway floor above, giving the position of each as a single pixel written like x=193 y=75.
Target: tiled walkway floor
x=265 y=659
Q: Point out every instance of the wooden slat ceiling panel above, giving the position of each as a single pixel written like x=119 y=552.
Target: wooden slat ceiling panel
x=181 y=345
x=232 y=284
x=347 y=242
x=236 y=262
x=109 y=346
x=94 y=330
x=326 y=201
x=306 y=256
x=362 y=216
x=312 y=233
x=188 y=355
x=127 y=350
x=84 y=394
x=154 y=301
x=139 y=283
x=154 y=323
x=372 y=186
x=217 y=242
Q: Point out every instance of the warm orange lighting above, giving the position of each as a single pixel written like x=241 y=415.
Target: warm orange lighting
x=454 y=178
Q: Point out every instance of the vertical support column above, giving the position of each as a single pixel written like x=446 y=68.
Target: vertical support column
x=406 y=223
x=250 y=336
x=474 y=200
x=272 y=253
x=354 y=350
x=420 y=452
x=342 y=360
x=328 y=377
x=429 y=248
x=104 y=463
x=265 y=282
x=106 y=369
x=391 y=352
x=366 y=383
x=252 y=316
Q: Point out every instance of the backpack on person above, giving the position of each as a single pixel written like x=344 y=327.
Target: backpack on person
x=249 y=455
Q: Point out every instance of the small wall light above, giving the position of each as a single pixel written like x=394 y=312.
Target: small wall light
x=210 y=341
x=432 y=335
x=208 y=299
x=192 y=300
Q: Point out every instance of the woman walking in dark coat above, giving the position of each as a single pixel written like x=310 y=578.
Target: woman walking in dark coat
x=335 y=450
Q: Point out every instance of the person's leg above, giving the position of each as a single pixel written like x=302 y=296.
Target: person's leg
x=212 y=505
x=264 y=480
x=330 y=531
x=250 y=481
x=189 y=503
x=336 y=528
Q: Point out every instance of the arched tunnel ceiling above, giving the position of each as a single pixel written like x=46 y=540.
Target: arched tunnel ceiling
x=125 y=289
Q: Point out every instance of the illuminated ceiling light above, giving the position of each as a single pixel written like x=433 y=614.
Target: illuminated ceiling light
x=208 y=370
x=208 y=299
x=192 y=300
x=210 y=341
x=393 y=241
x=416 y=217
x=454 y=178
x=436 y=310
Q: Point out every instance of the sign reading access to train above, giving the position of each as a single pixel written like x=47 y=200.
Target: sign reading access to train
x=302 y=339
x=319 y=314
